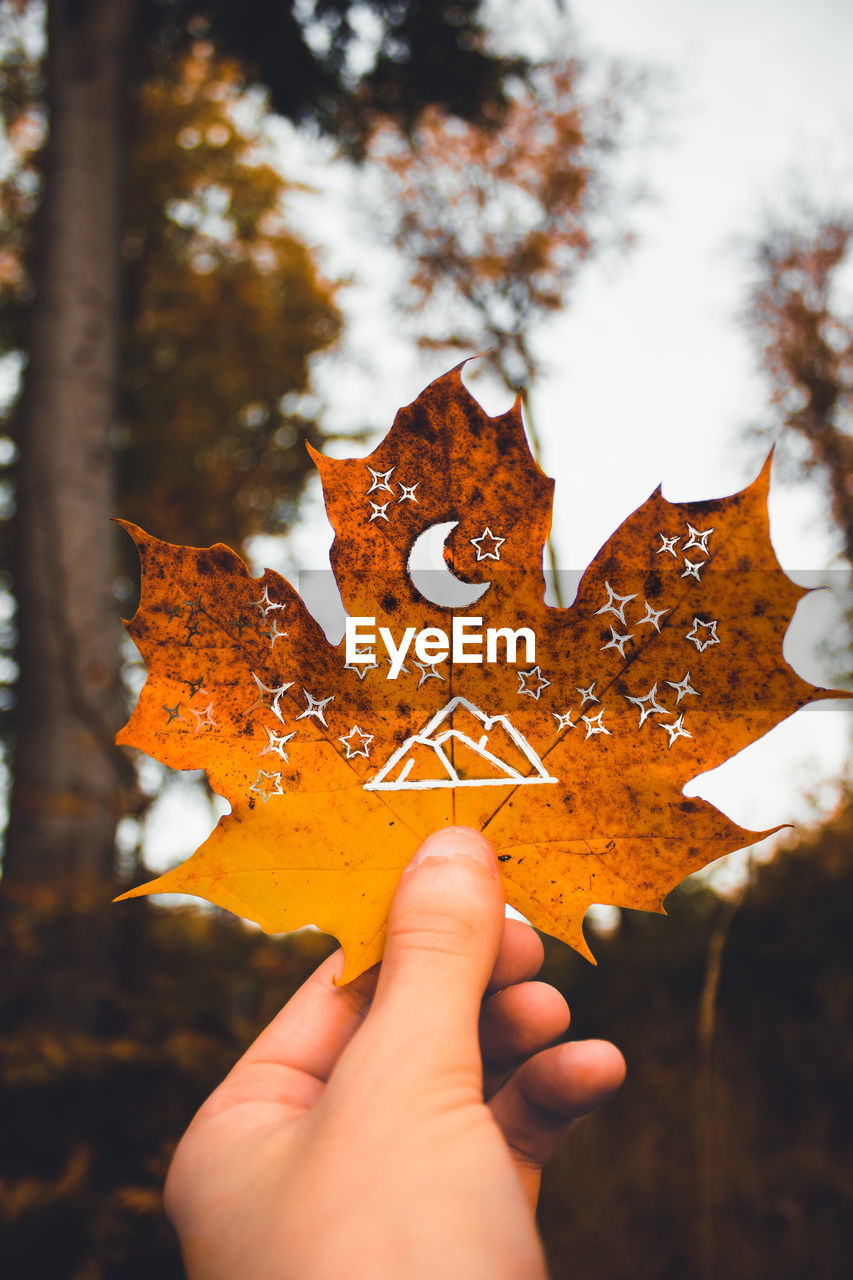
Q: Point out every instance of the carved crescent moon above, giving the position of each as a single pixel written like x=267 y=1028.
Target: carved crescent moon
x=432 y=576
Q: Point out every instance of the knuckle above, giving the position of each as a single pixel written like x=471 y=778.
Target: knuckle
x=446 y=932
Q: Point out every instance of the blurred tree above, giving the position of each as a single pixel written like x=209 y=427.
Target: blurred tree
x=22 y=133
x=69 y=777
x=494 y=225
x=222 y=306
x=224 y=309
x=70 y=783
x=346 y=64
x=805 y=338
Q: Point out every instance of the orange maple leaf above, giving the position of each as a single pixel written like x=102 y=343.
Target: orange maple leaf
x=572 y=757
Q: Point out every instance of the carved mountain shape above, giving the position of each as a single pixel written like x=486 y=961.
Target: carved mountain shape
x=496 y=739
x=478 y=766
x=423 y=762
x=470 y=761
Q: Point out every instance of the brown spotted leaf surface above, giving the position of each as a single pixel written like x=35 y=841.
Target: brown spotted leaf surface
x=668 y=662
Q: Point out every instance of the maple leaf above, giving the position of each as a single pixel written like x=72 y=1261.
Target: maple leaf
x=668 y=662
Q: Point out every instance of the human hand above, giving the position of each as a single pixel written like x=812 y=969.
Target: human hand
x=371 y=1130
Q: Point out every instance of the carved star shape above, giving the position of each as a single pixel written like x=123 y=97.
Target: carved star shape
x=275 y=744
x=192 y=630
x=428 y=672
x=676 y=730
x=587 y=695
x=380 y=512
x=610 y=607
x=697 y=539
x=265 y=605
x=484 y=551
x=380 y=479
x=174 y=713
x=564 y=722
x=357 y=743
x=195 y=606
x=195 y=686
x=617 y=642
x=174 y=612
x=268 y=699
x=682 y=687
x=265 y=793
x=274 y=634
x=360 y=668
x=533 y=674
x=648 y=704
x=408 y=493
x=204 y=719
x=315 y=707
x=691 y=568
x=653 y=616
x=403 y=669
x=594 y=725
x=694 y=634
x=667 y=544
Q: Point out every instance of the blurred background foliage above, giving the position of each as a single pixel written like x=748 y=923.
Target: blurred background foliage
x=222 y=306
x=724 y=1155
x=226 y=304
x=729 y=1151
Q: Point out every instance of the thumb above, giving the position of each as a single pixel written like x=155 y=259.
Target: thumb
x=444 y=933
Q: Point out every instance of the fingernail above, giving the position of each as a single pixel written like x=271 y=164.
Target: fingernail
x=456 y=842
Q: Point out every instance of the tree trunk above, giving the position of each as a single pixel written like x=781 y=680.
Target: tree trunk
x=68 y=775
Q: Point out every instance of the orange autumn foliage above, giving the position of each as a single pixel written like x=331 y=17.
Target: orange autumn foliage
x=668 y=662
x=493 y=226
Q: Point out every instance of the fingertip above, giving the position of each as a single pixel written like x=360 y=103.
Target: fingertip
x=575 y=1078
x=600 y=1066
x=456 y=842
x=519 y=1021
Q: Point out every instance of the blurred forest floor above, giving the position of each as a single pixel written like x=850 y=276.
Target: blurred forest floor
x=729 y=1152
